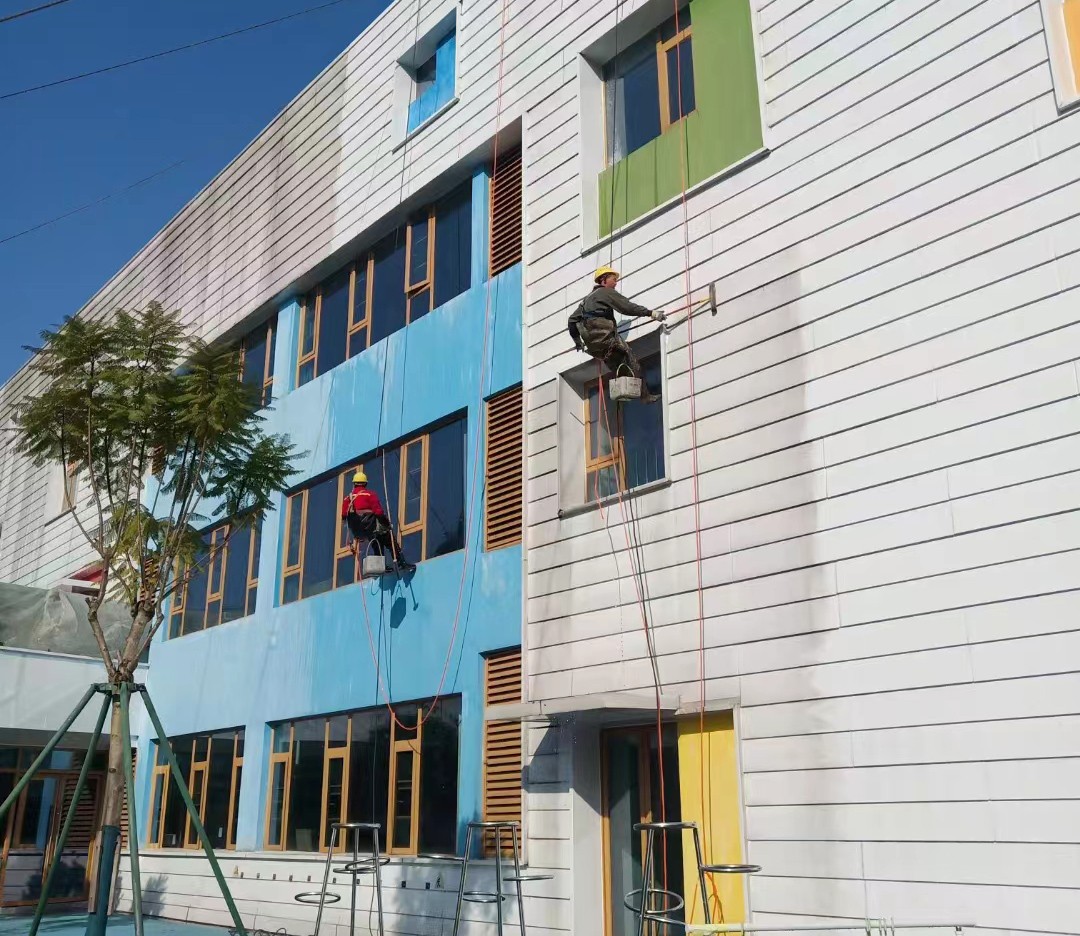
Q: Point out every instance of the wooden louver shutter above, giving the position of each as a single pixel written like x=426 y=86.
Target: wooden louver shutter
x=124 y=809
x=502 y=516
x=502 y=745
x=506 y=211
x=84 y=825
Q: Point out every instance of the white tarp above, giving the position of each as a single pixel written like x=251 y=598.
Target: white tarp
x=55 y=620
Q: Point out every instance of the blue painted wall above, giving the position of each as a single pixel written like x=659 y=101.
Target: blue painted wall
x=442 y=90
x=314 y=656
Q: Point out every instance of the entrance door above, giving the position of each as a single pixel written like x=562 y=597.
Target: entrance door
x=32 y=834
x=636 y=789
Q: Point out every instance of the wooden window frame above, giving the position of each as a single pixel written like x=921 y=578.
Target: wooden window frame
x=361 y=327
x=298 y=568
x=219 y=553
x=266 y=392
x=234 y=790
x=613 y=460
x=158 y=770
x=197 y=768
x=667 y=120
x=644 y=804
x=302 y=359
x=285 y=758
x=176 y=609
x=71 y=486
x=332 y=754
x=1070 y=11
x=341 y=528
x=419 y=525
x=413 y=290
x=401 y=745
x=252 y=572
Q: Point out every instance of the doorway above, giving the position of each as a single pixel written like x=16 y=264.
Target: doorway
x=639 y=786
x=29 y=834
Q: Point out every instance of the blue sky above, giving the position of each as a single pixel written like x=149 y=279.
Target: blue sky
x=70 y=145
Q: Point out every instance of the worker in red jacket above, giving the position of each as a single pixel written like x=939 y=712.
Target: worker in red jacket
x=363 y=512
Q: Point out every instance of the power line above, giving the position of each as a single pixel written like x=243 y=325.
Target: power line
x=93 y=204
x=157 y=55
x=37 y=9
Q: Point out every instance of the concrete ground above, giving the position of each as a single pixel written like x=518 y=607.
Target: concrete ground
x=75 y=925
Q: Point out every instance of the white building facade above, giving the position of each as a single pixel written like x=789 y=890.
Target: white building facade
x=821 y=598
x=851 y=528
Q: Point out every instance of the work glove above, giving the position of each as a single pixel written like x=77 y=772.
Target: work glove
x=658 y=316
x=579 y=346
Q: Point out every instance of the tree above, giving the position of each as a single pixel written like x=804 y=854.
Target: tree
x=168 y=439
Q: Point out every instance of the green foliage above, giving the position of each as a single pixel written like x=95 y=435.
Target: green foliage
x=167 y=434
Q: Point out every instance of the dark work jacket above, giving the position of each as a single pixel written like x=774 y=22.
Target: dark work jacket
x=603 y=302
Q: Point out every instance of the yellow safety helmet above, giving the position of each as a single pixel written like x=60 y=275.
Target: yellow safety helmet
x=359 y=477
x=602 y=272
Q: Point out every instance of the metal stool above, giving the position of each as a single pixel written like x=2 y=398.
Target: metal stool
x=497 y=897
x=370 y=864
x=649 y=891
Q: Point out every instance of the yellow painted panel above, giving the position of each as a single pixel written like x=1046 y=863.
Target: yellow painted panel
x=711 y=756
x=1072 y=30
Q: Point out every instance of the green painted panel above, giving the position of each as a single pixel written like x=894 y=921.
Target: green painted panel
x=725 y=80
x=724 y=128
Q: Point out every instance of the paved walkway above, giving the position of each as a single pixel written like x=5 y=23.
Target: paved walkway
x=75 y=925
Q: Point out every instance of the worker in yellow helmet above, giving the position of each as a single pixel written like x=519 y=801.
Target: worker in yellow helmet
x=363 y=513
x=593 y=328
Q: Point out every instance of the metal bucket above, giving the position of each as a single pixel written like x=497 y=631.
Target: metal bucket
x=374 y=565
x=624 y=388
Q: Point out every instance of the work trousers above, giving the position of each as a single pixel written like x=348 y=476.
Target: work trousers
x=366 y=526
x=603 y=342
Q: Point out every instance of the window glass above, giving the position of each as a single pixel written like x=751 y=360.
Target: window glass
x=425 y=77
x=401 y=834
x=680 y=68
x=418 y=251
x=305 y=789
x=236 y=805
x=277 y=803
x=234 y=597
x=175 y=811
x=157 y=800
x=358 y=338
x=635 y=113
x=255 y=357
x=33 y=804
x=219 y=788
x=333 y=321
x=195 y=597
x=322 y=513
x=293 y=533
x=272 y=325
x=338 y=730
x=335 y=792
x=308 y=326
x=438 y=778
x=446 y=490
x=369 y=775
x=414 y=481
x=383 y=474
x=388 y=287
x=633 y=98
x=256 y=550
x=9 y=757
x=643 y=433
x=453 y=244
x=602 y=422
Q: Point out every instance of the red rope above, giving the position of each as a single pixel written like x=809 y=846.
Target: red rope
x=422 y=716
